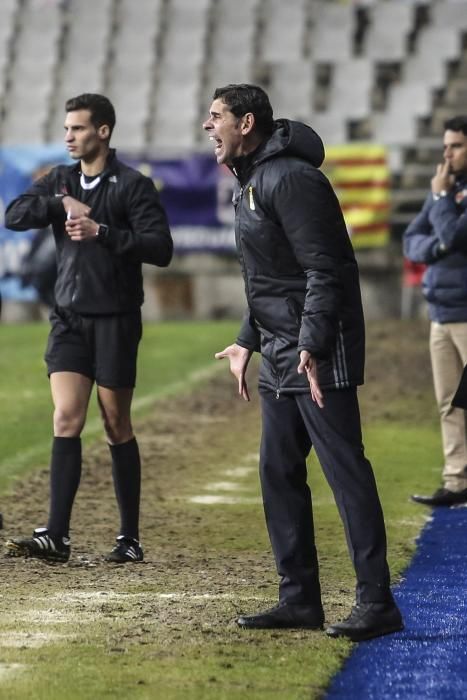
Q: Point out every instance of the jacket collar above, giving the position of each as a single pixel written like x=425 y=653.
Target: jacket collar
x=111 y=164
x=243 y=165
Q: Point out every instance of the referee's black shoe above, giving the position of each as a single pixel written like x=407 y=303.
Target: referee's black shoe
x=285 y=615
x=368 y=620
x=442 y=497
x=40 y=546
x=126 y=550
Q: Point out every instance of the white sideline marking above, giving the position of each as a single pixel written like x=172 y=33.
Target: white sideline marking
x=9 y=669
x=224 y=500
x=100 y=596
x=207 y=596
x=95 y=426
x=30 y=639
x=66 y=608
x=239 y=472
x=224 y=486
x=251 y=457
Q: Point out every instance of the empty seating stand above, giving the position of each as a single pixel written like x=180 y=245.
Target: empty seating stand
x=290 y=89
x=88 y=31
x=160 y=60
x=436 y=47
x=351 y=87
x=283 y=34
x=449 y=13
x=134 y=51
x=231 y=52
x=178 y=88
x=332 y=31
x=397 y=124
x=7 y=34
x=32 y=73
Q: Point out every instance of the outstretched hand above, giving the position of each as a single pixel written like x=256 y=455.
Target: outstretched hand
x=308 y=365
x=238 y=358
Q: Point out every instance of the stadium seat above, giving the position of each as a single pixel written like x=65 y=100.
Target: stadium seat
x=291 y=88
x=331 y=126
x=436 y=46
x=333 y=26
x=282 y=38
x=351 y=88
x=397 y=125
x=390 y=26
x=449 y=13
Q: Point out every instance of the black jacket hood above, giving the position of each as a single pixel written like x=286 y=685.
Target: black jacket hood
x=289 y=138
x=293 y=139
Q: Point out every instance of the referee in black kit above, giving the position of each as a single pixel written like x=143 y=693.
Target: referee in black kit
x=107 y=220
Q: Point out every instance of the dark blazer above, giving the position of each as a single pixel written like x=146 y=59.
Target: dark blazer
x=437 y=237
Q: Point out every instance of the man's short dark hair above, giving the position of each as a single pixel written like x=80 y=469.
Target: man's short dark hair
x=458 y=123
x=244 y=98
x=101 y=109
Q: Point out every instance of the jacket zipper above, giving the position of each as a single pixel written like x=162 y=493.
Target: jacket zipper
x=240 y=204
x=240 y=248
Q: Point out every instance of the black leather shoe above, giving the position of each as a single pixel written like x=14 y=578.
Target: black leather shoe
x=442 y=497
x=368 y=620
x=285 y=615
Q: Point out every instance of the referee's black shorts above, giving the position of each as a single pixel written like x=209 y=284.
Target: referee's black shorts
x=103 y=348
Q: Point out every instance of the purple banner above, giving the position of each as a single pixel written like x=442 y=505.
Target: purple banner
x=197 y=196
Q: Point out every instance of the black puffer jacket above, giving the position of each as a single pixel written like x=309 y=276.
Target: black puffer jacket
x=301 y=276
x=102 y=276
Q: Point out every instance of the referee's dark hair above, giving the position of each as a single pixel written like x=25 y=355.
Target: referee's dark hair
x=244 y=98
x=458 y=123
x=101 y=109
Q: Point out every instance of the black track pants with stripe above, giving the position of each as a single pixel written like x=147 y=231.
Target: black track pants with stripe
x=291 y=425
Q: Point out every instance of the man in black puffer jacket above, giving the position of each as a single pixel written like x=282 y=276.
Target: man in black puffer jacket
x=305 y=317
x=107 y=221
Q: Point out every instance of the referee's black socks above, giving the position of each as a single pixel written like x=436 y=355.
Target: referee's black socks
x=126 y=472
x=65 y=475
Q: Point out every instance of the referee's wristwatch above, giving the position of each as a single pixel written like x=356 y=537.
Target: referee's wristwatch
x=438 y=195
x=101 y=230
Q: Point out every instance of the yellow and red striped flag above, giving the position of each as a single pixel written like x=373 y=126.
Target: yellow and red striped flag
x=360 y=175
